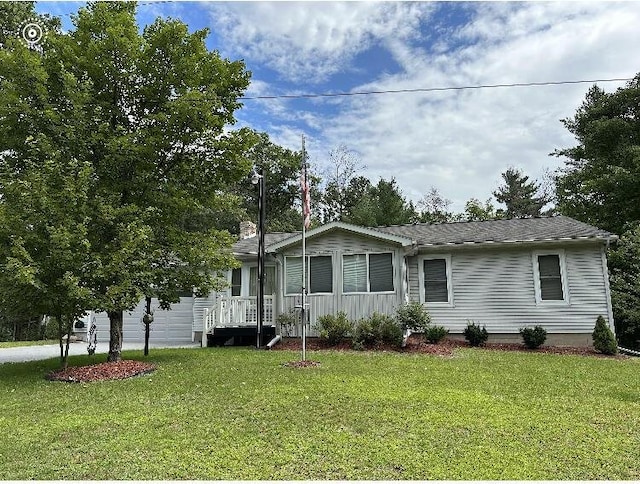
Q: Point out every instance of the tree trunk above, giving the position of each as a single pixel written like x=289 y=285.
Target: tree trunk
x=146 y=327
x=65 y=358
x=115 y=335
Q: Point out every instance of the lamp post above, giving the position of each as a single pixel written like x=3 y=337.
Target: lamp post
x=258 y=179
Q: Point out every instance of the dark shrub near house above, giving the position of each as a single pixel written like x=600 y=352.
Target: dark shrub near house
x=475 y=335
x=603 y=339
x=376 y=329
x=533 y=337
x=334 y=329
x=435 y=334
x=413 y=316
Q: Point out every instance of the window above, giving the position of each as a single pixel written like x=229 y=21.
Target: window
x=367 y=273
x=236 y=281
x=436 y=280
x=319 y=274
x=269 y=280
x=549 y=269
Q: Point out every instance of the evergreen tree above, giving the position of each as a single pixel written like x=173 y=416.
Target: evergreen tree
x=521 y=196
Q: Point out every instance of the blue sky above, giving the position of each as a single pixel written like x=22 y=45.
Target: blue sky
x=456 y=141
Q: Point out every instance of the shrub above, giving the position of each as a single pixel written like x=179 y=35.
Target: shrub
x=413 y=316
x=288 y=322
x=435 y=334
x=334 y=329
x=603 y=339
x=475 y=335
x=533 y=337
x=377 y=329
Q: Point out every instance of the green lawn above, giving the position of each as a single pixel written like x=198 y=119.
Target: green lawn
x=238 y=414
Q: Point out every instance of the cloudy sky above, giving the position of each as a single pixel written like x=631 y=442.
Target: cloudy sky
x=458 y=141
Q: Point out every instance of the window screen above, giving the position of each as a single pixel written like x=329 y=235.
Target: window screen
x=435 y=280
x=320 y=274
x=380 y=272
x=550 y=277
x=354 y=273
x=236 y=282
x=269 y=280
x=293 y=275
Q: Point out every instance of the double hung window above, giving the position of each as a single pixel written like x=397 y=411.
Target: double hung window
x=367 y=273
x=319 y=275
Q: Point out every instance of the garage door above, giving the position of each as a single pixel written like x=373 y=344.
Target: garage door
x=171 y=327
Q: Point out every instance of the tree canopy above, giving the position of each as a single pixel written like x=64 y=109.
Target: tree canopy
x=146 y=116
x=522 y=197
x=600 y=183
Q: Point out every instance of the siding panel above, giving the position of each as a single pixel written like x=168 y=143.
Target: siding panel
x=496 y=288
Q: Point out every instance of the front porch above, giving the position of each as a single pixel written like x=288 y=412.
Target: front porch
x=233 y=320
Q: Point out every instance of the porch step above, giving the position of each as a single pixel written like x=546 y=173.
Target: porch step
x=239 y=336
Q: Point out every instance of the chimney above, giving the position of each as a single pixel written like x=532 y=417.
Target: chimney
x=247 y=229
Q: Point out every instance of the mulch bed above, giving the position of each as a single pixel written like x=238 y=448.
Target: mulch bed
x=114 y=370
x=415 y=344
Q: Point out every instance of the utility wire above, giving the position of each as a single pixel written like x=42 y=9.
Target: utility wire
x=430 y=89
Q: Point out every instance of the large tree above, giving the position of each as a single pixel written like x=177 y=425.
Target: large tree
x=382 y=204
x=281 y=168
x=600 y=183
x=522 y=197
x=149 y=114
x=624 y=261
x=343 y=187
x=434 y=207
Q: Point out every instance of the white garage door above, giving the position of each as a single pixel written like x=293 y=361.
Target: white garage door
x=170 y=327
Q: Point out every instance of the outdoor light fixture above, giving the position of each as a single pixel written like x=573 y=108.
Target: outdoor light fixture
x=258 y=179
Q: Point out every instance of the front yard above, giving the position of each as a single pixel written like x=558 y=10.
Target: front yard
x=239 y=414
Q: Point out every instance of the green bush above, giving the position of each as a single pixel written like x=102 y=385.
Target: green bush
x=413 y=316
x=288 y=323
x=336 y=328
x=435 y=334
x=603 y=339
x=475 y=335
x=377 y=329
x=533 y=337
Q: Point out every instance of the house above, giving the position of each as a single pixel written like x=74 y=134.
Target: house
x=504 y=274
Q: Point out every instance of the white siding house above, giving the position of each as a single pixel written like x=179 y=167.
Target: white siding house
x=504 y=274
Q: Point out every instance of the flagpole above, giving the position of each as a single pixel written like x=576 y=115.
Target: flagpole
x=303 y=312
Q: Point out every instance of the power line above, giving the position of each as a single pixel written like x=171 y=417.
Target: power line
x=430 y=89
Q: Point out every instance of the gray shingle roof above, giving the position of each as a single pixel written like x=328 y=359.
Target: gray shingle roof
x=250 y=244
x=511 y=230
x=499 y=231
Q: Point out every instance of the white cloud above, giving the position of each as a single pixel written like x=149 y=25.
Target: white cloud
x=309 y=41
x=460 y=141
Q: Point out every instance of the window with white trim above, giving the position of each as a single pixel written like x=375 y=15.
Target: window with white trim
x=367 y=273
x=550 y=279
x=319 y=275
x=435 y=280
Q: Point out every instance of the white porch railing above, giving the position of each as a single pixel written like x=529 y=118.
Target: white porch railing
x=236 y=311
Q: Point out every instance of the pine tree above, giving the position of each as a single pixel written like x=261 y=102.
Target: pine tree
x=521 y=196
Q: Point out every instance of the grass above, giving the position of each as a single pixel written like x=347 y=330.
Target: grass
x=236 y=413
x=14 y=344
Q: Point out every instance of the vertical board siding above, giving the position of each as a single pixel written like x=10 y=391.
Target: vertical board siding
x=496 y=288
x=356 y=306
x=170 y=327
